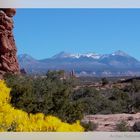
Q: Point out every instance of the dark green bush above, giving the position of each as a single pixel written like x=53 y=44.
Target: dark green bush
x=56 y=95
x=50 y=95
x=104 y=81
x=122 y=126
x=89 y=126
x=136 y=126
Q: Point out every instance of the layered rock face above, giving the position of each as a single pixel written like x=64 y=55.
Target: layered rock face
x=8 y=59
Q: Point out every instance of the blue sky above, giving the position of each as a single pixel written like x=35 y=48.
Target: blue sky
x=43 y=33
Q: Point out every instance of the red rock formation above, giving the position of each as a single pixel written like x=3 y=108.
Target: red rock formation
x=8 y=59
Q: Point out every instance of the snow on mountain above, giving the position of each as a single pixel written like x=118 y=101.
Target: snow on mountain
x=62 y=55
x=89 y=55
x=120 y=53
x=78 y=56
x=115 y=64
x=68 y=55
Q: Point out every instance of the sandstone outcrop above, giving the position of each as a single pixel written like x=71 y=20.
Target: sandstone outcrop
x=8 y=59
x=107 y=123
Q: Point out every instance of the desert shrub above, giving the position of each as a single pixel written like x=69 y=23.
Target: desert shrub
x=101 y=102
x=54 y=95
x=50 y=95
x=122 y=126
x=136 y=85
x=89 y=126
x=104 y=81
x=133 y=87
x=136 y=126
x=12 y=119
x=136 y=101
x=89 y=98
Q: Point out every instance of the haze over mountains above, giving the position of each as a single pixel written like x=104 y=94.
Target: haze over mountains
x=118 y=63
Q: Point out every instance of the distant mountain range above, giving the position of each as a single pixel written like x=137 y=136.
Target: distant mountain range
x=118 y=63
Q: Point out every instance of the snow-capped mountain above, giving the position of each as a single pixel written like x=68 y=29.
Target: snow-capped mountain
x=69 y=55
x=119 y=53
x=116 y=64
x=89 y=55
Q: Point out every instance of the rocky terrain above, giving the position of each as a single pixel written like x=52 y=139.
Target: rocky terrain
x=8 y=59
x=108 y=122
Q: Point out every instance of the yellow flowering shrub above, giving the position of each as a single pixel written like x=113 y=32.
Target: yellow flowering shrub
x=12 y=119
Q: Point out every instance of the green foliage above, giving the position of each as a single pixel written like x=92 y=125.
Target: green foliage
x=102 y=102
x=55 y=75
x=110 y=100
x=133 y=87
x=136 y=85
x=136 y=126
x=50 y=95
x=88 y=98
x=56 y=95
x=89 y=126
x=104 y=81
x=122 y=126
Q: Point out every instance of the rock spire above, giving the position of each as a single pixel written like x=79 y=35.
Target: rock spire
x=8 y=59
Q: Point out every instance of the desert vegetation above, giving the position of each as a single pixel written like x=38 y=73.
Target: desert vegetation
x=55 y=95
x=12 y=119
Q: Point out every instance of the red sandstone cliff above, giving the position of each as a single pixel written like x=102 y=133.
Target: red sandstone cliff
x=8 y=59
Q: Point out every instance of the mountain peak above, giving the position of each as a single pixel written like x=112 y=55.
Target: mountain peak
x=120 y=53
x=88 y=55
x=70 y=55
x=61 y=55
x=115 y=64
x=25 y=57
